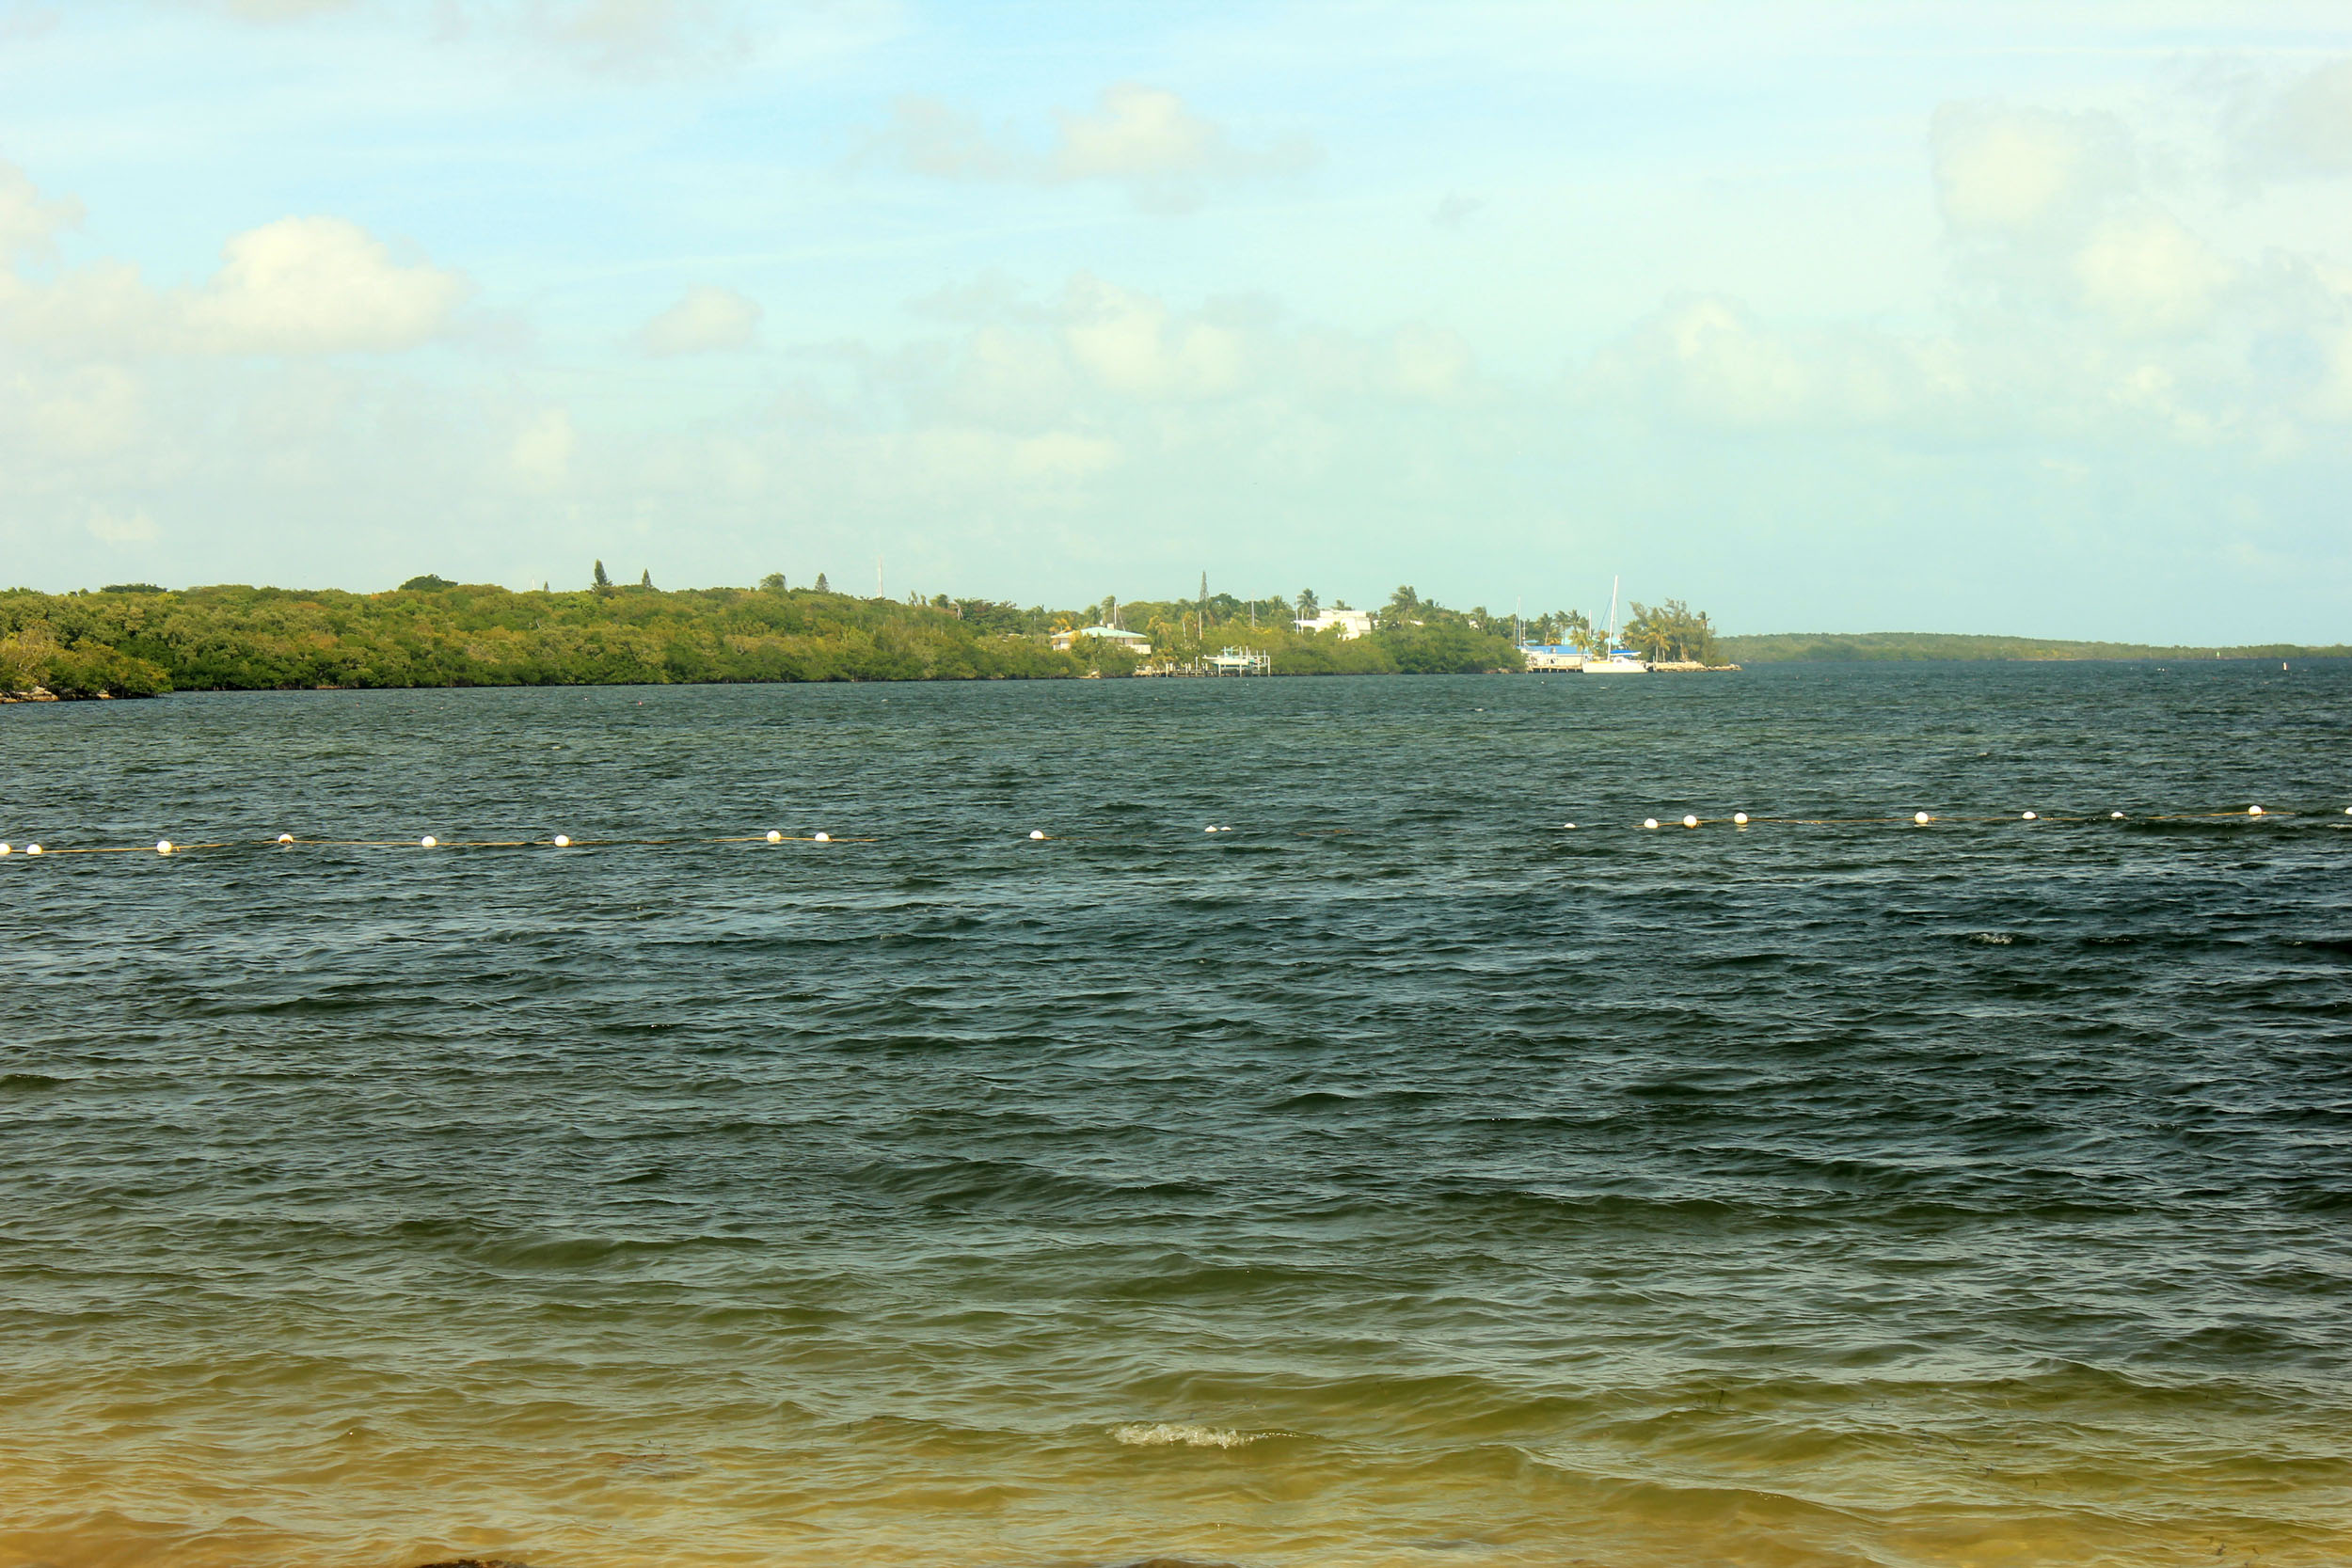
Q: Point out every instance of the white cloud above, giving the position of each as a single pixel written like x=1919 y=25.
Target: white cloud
x=1430 y=362
x=102 y=310
x=2307 y=127
x=1131 y=343
x=89 y=412
x=2050 y=221
x=318 y=285
x=706 y=320
x=124 y=527
x=2000 y=169
x=1708 y=362
x=1706 y=357
x=26 y=19
x=1145 y=139
x=28 y=225
x=298 y=286
x=929 y=137
x=541 y=455
x=617 y=36
x=634 y=37
x=1136 y=133
x=2146 y=274
x=1010 y=379
x=1099 y=349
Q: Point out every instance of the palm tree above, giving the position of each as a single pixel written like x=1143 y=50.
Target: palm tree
x=1404 y=606
x=1672 y=631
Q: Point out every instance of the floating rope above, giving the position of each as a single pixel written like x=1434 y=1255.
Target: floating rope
x=287 y=841
x=562 y=841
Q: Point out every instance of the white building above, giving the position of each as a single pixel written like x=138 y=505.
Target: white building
x=1240 y=661
x=1352 y=623
x=1547 y=657
x=1134 y=643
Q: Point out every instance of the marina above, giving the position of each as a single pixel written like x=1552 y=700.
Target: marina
x=1617 y=660
x=1225 y=661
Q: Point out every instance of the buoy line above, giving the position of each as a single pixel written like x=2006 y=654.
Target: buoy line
x=1923 y=820
x=559 y=841
x=1741 y=819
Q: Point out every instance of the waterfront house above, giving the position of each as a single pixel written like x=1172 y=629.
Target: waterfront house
x=1352 y=623
x=1551 y=657
x=1134 y=643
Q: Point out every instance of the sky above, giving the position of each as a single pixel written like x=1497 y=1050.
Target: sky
x=2023 y=318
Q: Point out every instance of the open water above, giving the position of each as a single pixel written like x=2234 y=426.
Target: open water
x=1398 y=1178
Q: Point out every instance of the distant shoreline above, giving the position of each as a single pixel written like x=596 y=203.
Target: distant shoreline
x=1875 y=646
x=2285 y=652
x=138 y=640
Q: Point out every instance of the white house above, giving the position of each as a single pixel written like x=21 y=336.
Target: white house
x=1134 y=643
x=1552 y=656
x=1352 y=623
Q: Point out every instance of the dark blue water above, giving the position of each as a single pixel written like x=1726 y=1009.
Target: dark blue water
x=1397 y=1178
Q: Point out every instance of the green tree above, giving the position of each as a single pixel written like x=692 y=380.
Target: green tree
x=1446 y=648
x=773 y=583
x=1565 y=627
x=1672 y=632
x=1405 y=608
x=1309 y=607
x=821 y=586
x=604 y=584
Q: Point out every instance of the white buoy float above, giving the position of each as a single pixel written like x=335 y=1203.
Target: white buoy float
x=3 y=849
x=1922 y=817
x=1571 y=826
x=1209 y=830
x=1740 y=818
x=32 y=849
x=1649 y=822
x=1037 y=833
x=163 y=847
x=285 y=838
x=428 y=842
x=2114 y=817
x=2027 y=817
x=2253 y=811
x=562 y=841
x=820 y=838
x=1690 y=822
x=774 y=837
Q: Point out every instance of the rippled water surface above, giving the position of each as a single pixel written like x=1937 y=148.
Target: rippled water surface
x=1400 y=1177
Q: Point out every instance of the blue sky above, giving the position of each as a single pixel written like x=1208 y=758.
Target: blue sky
x=2028 y=318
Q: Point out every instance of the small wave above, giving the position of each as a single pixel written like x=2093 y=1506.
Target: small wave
x=28 y=1083
x=1992 y=939
x=1163 y=1434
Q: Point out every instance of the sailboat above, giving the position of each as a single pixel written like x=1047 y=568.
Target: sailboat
x=1621 y=661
